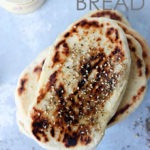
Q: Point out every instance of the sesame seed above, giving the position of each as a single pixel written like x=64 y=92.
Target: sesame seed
x=38 y=114
x=91 y=96
x=82 y=132
x=84 y=79
x=96 y=87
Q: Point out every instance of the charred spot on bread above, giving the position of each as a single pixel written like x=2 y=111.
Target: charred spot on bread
x=64 y=51
x=39 y=125
x=37 y=69
x=111 y=15
x=53 y=132
x=112 y=34
x=56 y=57
x=21 y=88
x=139 y=63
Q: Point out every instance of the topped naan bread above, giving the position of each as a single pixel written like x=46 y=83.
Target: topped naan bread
x=24 y=99
x=81 y=85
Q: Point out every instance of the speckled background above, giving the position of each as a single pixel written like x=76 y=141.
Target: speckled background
x=22 y=37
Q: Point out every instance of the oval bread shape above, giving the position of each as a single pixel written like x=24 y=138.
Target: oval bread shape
x=80 y=85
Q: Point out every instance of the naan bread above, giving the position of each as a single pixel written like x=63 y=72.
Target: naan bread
x=143 y=43
x=26 y=87
x=33 y=77
x=111 y=14
x=80 y=86
x=136 y=35
x=137 y=83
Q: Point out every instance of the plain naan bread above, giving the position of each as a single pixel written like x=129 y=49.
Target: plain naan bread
x=143 y=43
x=80 y=85
x=137 y=83
x=111 y=14
x=26 y=87
x=130 y=31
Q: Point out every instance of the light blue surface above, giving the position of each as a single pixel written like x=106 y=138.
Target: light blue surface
x=22 y=37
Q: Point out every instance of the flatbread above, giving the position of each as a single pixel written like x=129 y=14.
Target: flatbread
x=128 y=30
x=137 y=83
x=90 y=60
x=26 y=87
x=144 y=45
x=33 y=79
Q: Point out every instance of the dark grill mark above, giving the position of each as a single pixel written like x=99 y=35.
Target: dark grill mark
x=70 y=141
x=39 y=126
x=53 y=79
x=43 y=62
x=144 y=53
x=140 y=91
x=21 y=89
x=117 y=35
x=66 y=49
x=110 y=14
x=118 y=113
x=147 y=71
x=67 y=34
x=110 y=31
x=52 y=132
x=60 y=43
x=116 y=51
x=56 y=57
x=117 y=54
x=37 y=69
x=81 y=83
x=60 y=91
x=133 y=49
x=87 y=24
x=86 y=67
x=41 y=95
x=60 y=53
x=112 y=34
x=139 y=63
